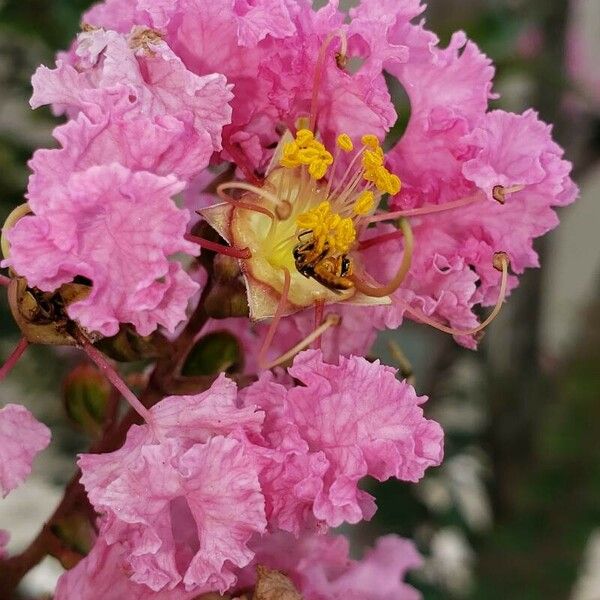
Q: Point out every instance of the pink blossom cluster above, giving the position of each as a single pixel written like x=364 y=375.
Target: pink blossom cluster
x=161 y=98
x=156 y=90
x=213 y=480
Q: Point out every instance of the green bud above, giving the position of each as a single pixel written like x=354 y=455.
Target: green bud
x=76 y=538
x=86 y=394
x=217 y=352
x=129 y=346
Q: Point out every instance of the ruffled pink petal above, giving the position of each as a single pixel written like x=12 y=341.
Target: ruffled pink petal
x=366 y=422
x=143 y=105
x=103 y=573
x=118 y=229
x=321 y=567
x=22 y=438
x=182 y=499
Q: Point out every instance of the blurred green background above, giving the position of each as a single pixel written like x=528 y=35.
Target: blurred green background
x=515 y=510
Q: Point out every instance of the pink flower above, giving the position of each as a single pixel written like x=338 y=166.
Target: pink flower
x=322 y=569
x=342 y=423
x=118 y=229
x=22 y=438
x=103 y=573
x=134 y=102
x=182 y=495
x=268 y=50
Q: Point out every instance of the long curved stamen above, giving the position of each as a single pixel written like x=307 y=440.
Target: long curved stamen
x=13 y=359
x=394 y=284
x=242 y=162
x=276 y=318
x=501 y=297
x=380 y=239
x=240 y=185
x=428 y=209
x=4 y=280
x=102 y=363
x=319 y=71
x=241 y=253
x=331 y=320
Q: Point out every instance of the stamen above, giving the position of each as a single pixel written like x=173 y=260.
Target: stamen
x=242 y=162
x=319 y=309
x=13 y=359
x=501 y=262
x=401 y=359
x=262 y=355
x=241 y=253
x=499 y=192
x=396 y=282
x=319 y=70
x=331 y=320
x=380 y=239
x=111 y=374
x=241 y=185
x=427 y=209
x=4 y=280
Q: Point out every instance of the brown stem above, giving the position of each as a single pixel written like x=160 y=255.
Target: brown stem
x=13 y=569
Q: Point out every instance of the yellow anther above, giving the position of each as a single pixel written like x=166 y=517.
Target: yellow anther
x=364 y=203
x=304 y=137
x=328 y=228
x=305 y=150
x=345 y=143
x=370 y=141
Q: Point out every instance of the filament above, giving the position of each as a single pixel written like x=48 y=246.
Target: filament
x=427 y=209
x=380 y=239
x=276 y=319
x=331 y=320
x=241 y=253
x=13 y=359
x=111 y=374
x=396 y=282
x=319 y=71
x=319 y=310
x=241 y=185
x=401 y=359
x=501 y=297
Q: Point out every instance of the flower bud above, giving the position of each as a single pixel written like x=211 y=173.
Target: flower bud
x=217 y=352
x=41 y=316
x=129 y=346
x=75 y=538
x=86 y=394
x=273 y=585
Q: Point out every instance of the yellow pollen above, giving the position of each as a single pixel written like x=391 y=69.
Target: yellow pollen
x=328 y=228
x=364 y=203
x=370 y=141
x=375 y=172
x=305 y=150
x=345 y=143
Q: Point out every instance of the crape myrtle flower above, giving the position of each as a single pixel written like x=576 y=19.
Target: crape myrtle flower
x=471 y=189
x=182 y=494
x=103 y=204
x=338 y=425
x=321 y=567
x=22 y=438
x=190 y=489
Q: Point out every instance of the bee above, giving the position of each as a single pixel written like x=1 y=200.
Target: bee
x=330 y=271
